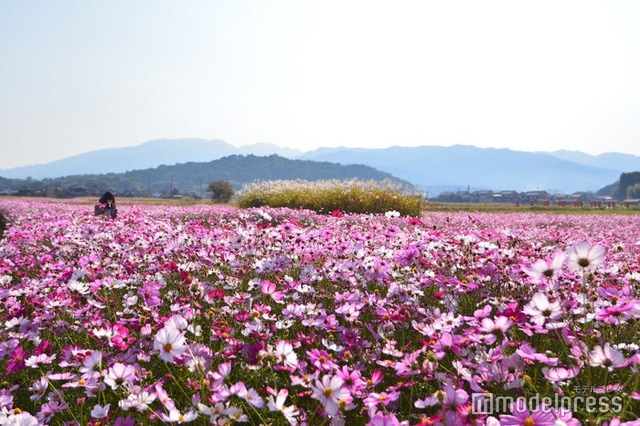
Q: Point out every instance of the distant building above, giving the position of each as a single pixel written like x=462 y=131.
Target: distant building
x=535 y=197
x=507 y=196
x=483 y=196
x=541 y=198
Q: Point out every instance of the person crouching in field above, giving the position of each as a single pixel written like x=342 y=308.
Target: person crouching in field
x=106 y=206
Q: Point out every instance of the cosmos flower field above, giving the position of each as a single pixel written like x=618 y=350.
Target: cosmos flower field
x=215 y=315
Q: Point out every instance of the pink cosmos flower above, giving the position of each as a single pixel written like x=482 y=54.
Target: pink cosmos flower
x=124 y=421
x=150 y=292
x=269 y=288
x=249 y=395
x=495 y=327
x=560 y=374
x=224 y=370
x=376 y=378
x=449 y=396
x=120 y=338
x=529 y=354
x=39 y=388
x=16 y=360
x=170 y=344
x=164 y=397
x=383 y=398
x=583 y=256
x=521 y=416
x=407 y=256
x=91 y=361
x=48 y=410
x=380 y=419
x=614 y=314
x=321 y=359
x=352 y=379
x=606 y=356
x=546 y=269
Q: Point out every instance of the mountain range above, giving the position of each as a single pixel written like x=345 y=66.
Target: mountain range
x=459 y=167
x=431 y=168
x=147 y=155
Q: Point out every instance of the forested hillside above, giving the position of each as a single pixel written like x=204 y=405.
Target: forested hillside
x=192 y=178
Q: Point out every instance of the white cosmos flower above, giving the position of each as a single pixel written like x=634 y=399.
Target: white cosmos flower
x=120 y=374
x=285 y=353
x=21 y=419
x=541 y=310
x=583 y=256
x=100 y=412
x=35 y=360
x=175 y=416
x=329 y=391
x=78 y=286
x=170 y=344
x=290 y=412
x=177 y=322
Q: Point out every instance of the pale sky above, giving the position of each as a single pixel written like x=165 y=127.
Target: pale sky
x=81 y=75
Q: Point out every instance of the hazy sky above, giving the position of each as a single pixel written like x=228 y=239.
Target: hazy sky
x=81 y=75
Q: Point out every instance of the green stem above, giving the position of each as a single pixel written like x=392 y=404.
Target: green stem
x=184 y=393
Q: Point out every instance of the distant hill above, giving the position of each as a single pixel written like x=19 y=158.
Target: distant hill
x=460 y=166
x=432 y=168
x=608 y=160
x=194 y=177
x=147 y=155
x=627 y=186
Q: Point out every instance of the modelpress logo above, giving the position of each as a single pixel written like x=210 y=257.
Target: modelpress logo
x=489 y=404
